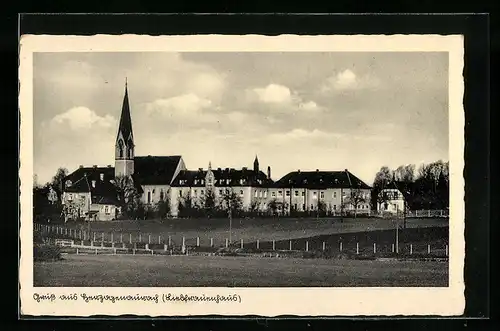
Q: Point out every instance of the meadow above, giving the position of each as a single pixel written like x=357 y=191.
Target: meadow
x=202 y=271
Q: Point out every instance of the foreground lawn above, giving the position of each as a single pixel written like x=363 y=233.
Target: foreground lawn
x=249 y=230
x=197 y=271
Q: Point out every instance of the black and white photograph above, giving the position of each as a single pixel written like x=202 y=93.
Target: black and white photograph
x=241 y=168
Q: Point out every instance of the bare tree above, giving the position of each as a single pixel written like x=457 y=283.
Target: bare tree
x=127 y=194
x=356 y=198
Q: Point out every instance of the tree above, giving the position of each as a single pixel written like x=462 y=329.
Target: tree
x=57 y=181
x=356 y=198
x=209 y=203
x=322 y=208
x=272 y=206
x=163 y=206
x=128 y=196
x=382 y=180
x=231 y=202
x=254 y=207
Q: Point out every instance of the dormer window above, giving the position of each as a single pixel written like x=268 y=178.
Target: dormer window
x=227 y=181
x=102 y=177
x=68 y=183
x=202 y=182
x=93 y=183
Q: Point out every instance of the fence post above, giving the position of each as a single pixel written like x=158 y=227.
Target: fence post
x=130 y=238
x=183 y=243
x=114 y=251
x=96 y=251
x=77 y=251
x=227 y=243
x=242 y=243
x=165 y=247
x=102 y=243
x=290 y=245
x=393 y=248
x=169 y=240
x=211 y=242
x=121 y=237
x=102 y=237
x=411 y=249
x=159 y=239
x=274 y=245
x=324 y=246
x=307 y=246
x=357 y=248
x=428 y=249
x=374 y=248
x=149 y=239
x=197 y=241
x=112 y=237
x=140 y=237
x=257 y=243
x=429 y=213
x=341 y=246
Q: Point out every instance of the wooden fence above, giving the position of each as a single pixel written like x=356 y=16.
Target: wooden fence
x=114 y=243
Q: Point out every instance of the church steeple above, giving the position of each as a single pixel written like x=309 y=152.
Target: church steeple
x=124 y=146
x=256 y=165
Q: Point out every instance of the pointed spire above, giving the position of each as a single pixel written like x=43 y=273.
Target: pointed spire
x=125 y=126
x=256 y=164
x=209 y=165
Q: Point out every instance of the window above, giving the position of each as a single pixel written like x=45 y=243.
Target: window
x=295 y=207
x=180 y=193
x=334 y=195
x=303 y=206
x=287 y=193
x=220 y=192
x=202 y=192
x=120 y=148
x=241 y=192
x=106 y=210
x=334 y=207
x=149 y=197
x=202 y=182
x=322 y=195
x=70 y=197
x=101 y=177
x=265 y=194
x=315 y=193
x=273 y=194
x=260 y=194
x=162 y=195
x=303 y=193
x=256 y=194
x=154 y=191
x=312 y=206
x=280 y=193
x=195 y=192
x=296 y=193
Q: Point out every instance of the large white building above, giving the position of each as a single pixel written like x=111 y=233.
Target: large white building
x=90 y=192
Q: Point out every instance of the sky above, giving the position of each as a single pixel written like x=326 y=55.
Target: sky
x=329 y=111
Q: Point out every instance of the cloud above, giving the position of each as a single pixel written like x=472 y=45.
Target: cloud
x=79 y=118
x=348 y=80
x=274 y=93
x=281 y=98
x=301 y=135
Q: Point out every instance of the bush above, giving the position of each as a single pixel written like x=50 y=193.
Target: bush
x=46 y=253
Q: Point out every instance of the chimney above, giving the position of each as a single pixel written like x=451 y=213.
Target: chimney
x=268 y=172
x=219 y=169
x=244 y=168
x=109 y=165
x=317 y=170
x=200 y=169
x=95 y=166
x=81 y=166
x=298 y=171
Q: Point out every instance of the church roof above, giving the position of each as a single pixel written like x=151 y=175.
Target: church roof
x=125 y=126
x=155 y=170
x=236 y=177
x=321 y=180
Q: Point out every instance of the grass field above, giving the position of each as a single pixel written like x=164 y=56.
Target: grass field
x=199 y=271
x=250 y=230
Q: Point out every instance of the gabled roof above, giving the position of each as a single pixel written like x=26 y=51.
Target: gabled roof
x=236 y=177
x=125 y=126
x=321 y=180
x=155 y=170
x=96 y=180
